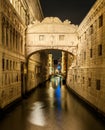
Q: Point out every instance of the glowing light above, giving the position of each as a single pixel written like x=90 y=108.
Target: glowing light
x=37 y=115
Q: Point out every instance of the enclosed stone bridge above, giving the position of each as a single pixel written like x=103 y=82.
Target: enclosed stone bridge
x=53 y=34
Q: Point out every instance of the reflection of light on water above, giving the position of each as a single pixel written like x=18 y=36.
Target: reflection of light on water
x=37 y=114
x=58 y=96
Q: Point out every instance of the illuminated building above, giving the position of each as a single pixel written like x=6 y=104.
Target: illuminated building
x=15 y=15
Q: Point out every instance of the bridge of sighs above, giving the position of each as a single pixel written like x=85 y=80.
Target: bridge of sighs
x=53 y=34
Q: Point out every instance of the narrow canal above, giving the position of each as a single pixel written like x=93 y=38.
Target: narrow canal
x=51 y=107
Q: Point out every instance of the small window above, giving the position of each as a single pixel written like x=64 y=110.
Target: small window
x=14 y=65
x=91 y=29
x=17 y=78
x=76 y=78
x=2 y=33
x=3 y=64
x=61 y=37
x=91 y=53
x=85 y=35
x=101 y=21
x=98 y=84
x=41 y=37
x=100 y=50
x=83 y=80
x=85 y=55
x=89 y=81
x=7 y=64
x=10 y=65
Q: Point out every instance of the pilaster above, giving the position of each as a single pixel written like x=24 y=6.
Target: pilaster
x=0 y=28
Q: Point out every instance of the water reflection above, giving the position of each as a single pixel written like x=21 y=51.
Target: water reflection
x=51 y=107
x=36 y=116
x=58 y=95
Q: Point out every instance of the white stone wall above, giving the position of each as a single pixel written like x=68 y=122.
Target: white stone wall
x=90 y=65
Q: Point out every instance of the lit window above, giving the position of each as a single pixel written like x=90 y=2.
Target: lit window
x=61 y=37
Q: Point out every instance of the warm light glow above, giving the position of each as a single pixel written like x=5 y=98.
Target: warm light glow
x=37 y=114
x=11 y=1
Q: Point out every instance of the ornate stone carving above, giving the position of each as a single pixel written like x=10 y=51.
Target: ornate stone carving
x=52 y=20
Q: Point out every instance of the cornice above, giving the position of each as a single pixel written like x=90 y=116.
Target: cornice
x=99 y=5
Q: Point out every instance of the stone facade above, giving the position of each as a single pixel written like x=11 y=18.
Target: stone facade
x=15 y=15
x=86 y=75
x=51 y=33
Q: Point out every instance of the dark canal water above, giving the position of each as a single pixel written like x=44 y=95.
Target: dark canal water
x=51 y=107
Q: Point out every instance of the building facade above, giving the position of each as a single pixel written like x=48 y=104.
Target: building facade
x=86 y=75
x=64 y=63
x=15 y=15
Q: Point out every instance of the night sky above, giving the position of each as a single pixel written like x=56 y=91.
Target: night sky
x=74 y=10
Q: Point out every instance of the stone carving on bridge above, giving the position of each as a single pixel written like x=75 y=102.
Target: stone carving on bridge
x=65 y=36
